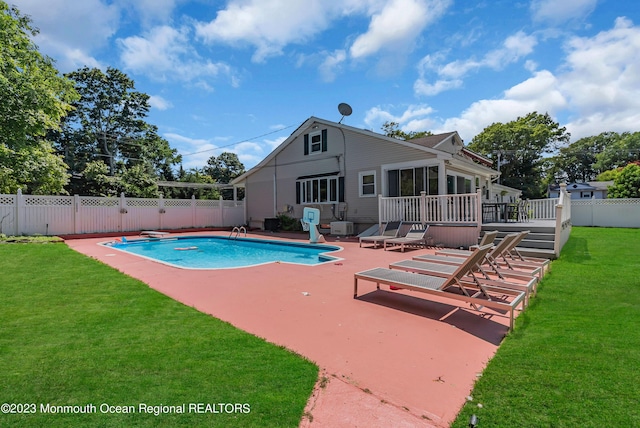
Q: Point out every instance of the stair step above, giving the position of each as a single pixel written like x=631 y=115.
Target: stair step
x=537 y=252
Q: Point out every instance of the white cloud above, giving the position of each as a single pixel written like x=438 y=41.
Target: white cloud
x=449 y=75
x=268 y=25
x=71 y=30
x=554 y=12
x=601 y=78
x=377 y=116
x=332 y=64
x=165 y=53
x=151 y=12
x=159 y=103
x=598 y=86
x=397 y=25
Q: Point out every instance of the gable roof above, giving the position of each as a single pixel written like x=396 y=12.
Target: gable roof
x=434 y=144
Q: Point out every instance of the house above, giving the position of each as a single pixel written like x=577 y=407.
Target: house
x=587 y=190
x=341 y=170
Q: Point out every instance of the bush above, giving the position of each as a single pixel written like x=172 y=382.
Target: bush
x=289 y=224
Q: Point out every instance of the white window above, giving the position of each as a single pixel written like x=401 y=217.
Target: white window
x=315 y=141
x=367 y=180
x=321 y=190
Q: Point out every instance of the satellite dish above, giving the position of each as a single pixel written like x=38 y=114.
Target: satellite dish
x=345 y=110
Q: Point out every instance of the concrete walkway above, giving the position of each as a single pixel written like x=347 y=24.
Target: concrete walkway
x=387 y=358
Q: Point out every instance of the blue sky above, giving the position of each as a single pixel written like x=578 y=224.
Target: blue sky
x=241 y=75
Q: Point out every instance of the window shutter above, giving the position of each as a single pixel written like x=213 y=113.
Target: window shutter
x=306 y=144
x=324 y=140
x=298 y=192
x=340 y=189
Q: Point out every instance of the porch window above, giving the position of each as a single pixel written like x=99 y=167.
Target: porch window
x=457 y=184
x=412 y=181
x=367 y=181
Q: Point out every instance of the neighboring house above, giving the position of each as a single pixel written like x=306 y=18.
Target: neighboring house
x=588 y=190
x=342 y=169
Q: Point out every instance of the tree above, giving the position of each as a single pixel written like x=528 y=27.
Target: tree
x=224 y=168
x=109 y=125
x=391 y=129
x=517 y=149
x=620 y=150
x=34 y=97
x=627 y=183
x=195 y=176
x=578 y=160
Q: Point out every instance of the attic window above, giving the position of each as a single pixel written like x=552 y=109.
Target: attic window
x=315 y=142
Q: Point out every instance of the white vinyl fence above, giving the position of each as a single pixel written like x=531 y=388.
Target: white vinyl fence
x=65 y=215
x=606 y=212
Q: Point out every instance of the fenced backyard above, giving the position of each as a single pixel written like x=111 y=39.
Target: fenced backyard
x=66 y=215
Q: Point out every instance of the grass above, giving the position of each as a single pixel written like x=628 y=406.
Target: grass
x=77 y=332
x=573 y=358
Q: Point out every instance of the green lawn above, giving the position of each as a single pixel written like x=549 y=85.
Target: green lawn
x=574 y=358
x=76 y=332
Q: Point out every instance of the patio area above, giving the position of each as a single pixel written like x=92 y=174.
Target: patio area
x=389 y=358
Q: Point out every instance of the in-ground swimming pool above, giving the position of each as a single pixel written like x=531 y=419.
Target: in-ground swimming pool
x=219 y=252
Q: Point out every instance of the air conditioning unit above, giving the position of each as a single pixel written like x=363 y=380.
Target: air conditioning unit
x=342 y=228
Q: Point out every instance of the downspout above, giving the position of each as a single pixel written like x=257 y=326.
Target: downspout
x=275 y=185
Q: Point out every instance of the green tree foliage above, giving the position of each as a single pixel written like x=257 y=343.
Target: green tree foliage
x=609 y=175
x=578 y=160
x=598 y=157
x=391 y=129
x=109 y=125
x=33 y=99
x=195 y=176
x=627 y=183
x=224 y=168
x=519 y=146
x=620 y=150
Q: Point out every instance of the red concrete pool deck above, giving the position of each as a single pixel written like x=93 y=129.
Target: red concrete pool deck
x=389 y=358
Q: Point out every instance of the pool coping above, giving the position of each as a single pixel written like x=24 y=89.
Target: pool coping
x=387 y=358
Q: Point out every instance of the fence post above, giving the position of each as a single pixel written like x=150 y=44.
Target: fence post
x=161 y=211
x=193 y=210
x=20 y=211
x=423 y=207
x=123 y=211
x=221 y=212
x=76 y=214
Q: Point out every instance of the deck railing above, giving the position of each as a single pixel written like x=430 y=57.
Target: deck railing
x=442 y=209
x=563 y=219
x=542 y=209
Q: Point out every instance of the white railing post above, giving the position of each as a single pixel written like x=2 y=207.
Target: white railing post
x=479 y=211
x=423 y=207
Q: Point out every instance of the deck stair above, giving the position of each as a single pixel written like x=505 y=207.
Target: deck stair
x=538 y=243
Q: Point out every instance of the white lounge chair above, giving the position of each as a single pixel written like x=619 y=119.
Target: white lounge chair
x=413 y=238
x=390 y=230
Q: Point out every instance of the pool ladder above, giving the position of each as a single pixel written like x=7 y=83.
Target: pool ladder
x=237 y=230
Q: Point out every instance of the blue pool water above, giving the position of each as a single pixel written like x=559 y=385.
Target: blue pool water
x=218 y=252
